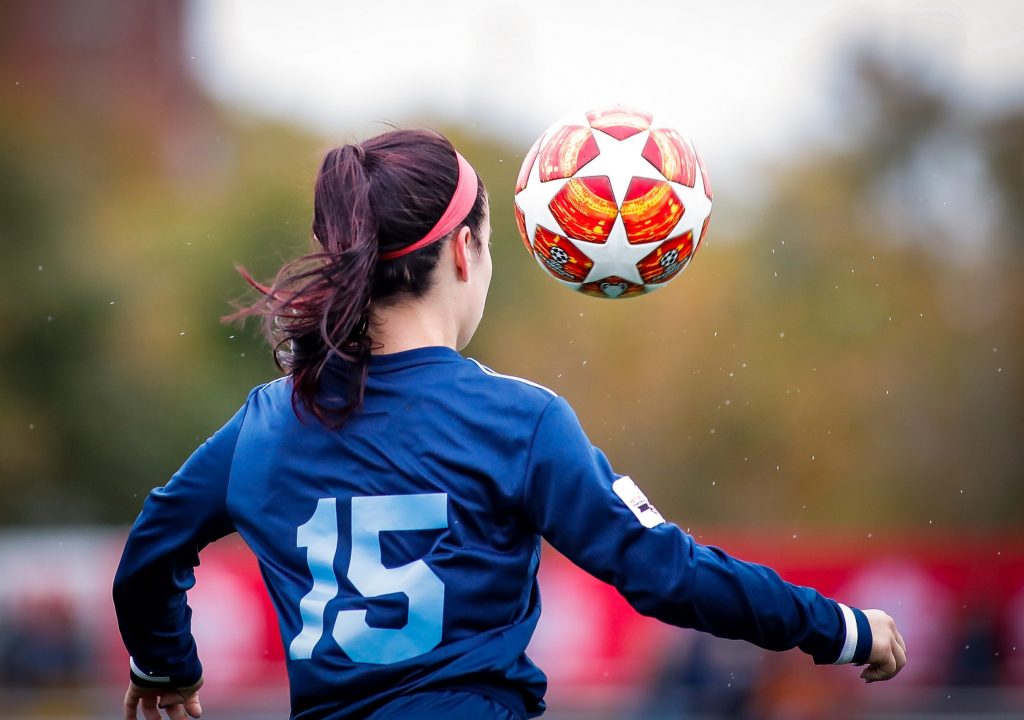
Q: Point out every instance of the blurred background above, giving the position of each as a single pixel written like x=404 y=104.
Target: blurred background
x=833 y=388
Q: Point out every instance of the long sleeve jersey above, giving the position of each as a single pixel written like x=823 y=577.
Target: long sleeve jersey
x=401 y=550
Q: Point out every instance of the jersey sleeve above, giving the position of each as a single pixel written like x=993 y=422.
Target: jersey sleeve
x=157 y=565
x=604 y=524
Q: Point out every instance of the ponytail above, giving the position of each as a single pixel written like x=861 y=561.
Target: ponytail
x=368 y=200
x=318 y=305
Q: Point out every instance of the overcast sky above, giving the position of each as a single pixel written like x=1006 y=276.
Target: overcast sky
x=743 y=79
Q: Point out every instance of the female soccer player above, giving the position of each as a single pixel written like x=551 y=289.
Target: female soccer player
x=395 y=493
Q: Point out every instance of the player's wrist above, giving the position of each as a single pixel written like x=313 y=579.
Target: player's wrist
x=857 y=637
x=150 y=679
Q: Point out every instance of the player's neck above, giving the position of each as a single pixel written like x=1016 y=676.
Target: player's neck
x=411 y=325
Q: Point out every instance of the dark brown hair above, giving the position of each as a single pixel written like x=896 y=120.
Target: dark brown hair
x=380 y=195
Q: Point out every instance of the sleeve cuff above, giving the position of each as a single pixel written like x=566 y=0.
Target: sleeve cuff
x=155 y=679
x=857 y=643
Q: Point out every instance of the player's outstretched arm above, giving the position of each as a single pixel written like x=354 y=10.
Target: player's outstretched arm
x=603 y=523
x=179 y=703
x=888 y=651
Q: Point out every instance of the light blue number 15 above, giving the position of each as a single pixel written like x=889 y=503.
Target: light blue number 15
x=366 y=571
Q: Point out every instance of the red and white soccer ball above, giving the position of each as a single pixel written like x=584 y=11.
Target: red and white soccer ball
x=612 y=203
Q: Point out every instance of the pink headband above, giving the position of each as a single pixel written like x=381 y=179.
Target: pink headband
x=458 y=208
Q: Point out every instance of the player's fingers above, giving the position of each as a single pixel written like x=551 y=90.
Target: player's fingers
x=882 y=670
x=171 y=697
x=899 y=639
x=178 y=704
x=873 y=673
x=174 y=704
x=131 y=706
x=901 y=656
x=149 y=709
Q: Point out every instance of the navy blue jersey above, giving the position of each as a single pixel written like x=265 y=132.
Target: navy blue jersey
x=401 y=551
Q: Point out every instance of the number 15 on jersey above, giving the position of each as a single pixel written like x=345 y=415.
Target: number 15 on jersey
x=367 y=573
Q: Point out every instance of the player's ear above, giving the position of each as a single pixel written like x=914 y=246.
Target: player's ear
x=460 y=252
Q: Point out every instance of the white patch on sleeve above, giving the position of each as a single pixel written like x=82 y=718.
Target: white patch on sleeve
x=636 y=501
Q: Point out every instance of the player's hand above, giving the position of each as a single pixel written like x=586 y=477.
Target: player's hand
x=175 y=701
x=888 y=651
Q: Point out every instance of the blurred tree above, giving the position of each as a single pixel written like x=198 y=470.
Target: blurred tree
x=851 y=360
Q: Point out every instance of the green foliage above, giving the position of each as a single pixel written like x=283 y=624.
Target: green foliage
x=827 y=367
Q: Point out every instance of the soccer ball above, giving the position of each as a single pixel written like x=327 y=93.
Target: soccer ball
x=612 y=203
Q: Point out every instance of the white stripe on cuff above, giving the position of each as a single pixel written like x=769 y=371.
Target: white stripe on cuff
x=850 y=646
x=152 y=678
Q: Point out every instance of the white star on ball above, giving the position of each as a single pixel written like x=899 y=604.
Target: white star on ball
x=617 y=256
x=535 y=200
x=620 y=161
x=696 y=207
